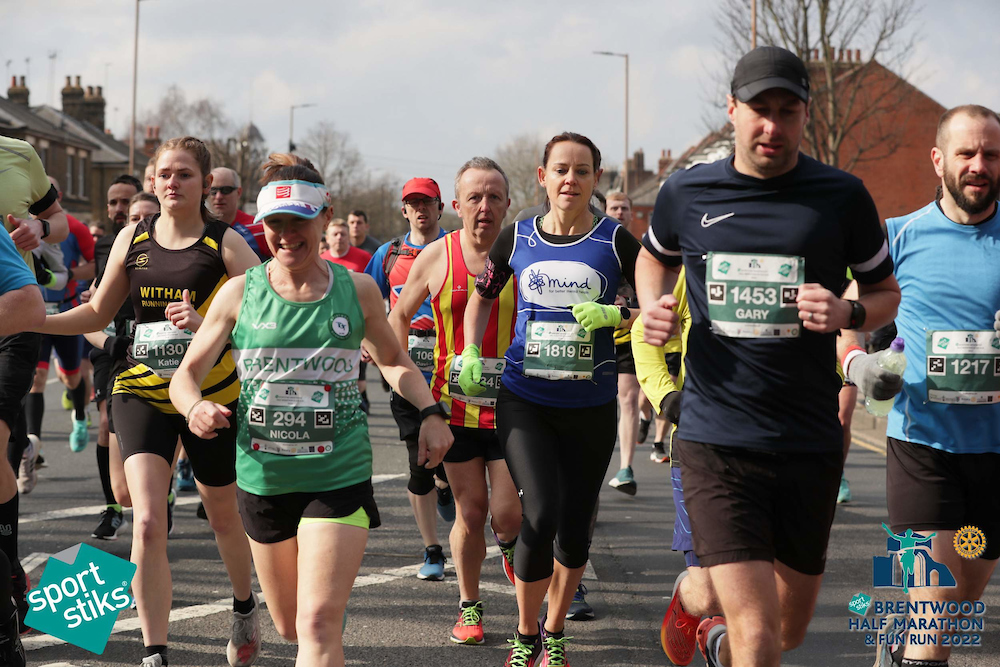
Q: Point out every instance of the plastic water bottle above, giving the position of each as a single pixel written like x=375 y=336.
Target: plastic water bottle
x=894 y=360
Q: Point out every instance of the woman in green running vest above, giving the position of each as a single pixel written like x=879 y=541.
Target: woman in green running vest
x=304 y=461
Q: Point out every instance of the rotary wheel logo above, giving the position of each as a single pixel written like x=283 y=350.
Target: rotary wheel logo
x=970 y=542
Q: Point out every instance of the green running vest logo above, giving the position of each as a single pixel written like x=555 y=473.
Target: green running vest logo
x=340 y=325
x=80 y=595
x=288 y=364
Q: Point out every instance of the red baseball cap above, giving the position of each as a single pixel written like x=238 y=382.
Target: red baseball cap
x=421 y=186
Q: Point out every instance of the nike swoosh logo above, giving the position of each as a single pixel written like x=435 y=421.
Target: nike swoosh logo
x=708 y=222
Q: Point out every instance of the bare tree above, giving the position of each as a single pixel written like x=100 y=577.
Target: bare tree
x=336 y=159
x=856 y=101
x=520 y=158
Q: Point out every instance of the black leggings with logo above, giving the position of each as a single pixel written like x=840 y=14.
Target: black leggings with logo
x=558 y=458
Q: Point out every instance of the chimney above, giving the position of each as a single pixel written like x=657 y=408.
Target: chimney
x=639 y=161
x=18 y=94
x=72 y=100
x=152 y=140
x=93 y=107
x=850 y=55
x=857 y=55
x=664 y=162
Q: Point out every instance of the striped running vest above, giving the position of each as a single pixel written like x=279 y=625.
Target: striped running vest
x=448 y=306
x=158 y=276
x=301 y=428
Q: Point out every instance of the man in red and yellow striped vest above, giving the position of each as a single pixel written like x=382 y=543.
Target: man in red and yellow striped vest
x=446 y=270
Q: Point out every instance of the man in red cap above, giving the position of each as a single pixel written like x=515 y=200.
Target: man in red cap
x=389 y=266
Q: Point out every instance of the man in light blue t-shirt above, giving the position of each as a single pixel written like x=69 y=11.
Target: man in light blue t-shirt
x=944 y=430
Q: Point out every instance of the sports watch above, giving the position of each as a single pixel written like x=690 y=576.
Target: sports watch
x=438 y=408
x=858 y=314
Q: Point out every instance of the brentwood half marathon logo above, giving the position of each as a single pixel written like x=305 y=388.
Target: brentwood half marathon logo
x=80 y=595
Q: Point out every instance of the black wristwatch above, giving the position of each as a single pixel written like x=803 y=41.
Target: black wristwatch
x=438 y=408
x=45 y=227
x=858 y=315
x=626 y=313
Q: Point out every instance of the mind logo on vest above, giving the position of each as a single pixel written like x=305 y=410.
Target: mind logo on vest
x=555 y=283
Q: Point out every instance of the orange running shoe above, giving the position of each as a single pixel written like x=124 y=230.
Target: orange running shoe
x=678 y=633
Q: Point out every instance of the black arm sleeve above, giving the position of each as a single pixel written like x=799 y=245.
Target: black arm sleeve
x=497 y=271
x=627 y=248
x=50 y=198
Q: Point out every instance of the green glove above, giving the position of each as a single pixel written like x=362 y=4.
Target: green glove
x=471 y=376
x=593 y=316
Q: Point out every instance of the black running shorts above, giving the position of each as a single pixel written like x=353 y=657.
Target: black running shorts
x=474 y=443
x=272 y=519
x=931 y=489
x=18 y=356
x=624 y=362
x=141 y=428
x=749 y=504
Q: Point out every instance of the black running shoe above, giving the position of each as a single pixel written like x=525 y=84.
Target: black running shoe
x=112 y=521
x=11 y=649
x=643 y=433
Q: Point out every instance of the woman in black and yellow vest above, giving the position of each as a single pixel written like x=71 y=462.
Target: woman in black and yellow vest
x=172 y=266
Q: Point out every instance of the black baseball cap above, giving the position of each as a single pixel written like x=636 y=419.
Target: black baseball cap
x=769 y=67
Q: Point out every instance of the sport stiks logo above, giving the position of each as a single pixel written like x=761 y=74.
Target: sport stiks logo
x=80 y=595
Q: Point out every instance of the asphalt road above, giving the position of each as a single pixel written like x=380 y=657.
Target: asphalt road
x=396 y=619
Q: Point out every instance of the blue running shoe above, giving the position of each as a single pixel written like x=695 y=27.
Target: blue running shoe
x=79 y=436
x=185 y=476
x=579 y=610
x=433 y=567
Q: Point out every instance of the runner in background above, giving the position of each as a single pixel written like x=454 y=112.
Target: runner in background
x=446 y=272
x=357 y=222
x=390 y=266
x=340 y=249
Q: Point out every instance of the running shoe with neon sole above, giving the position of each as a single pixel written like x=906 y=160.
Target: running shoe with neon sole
x=624 y=481
x=659 y=453
x=844 y=495
x=79 y=436
x=67 y=400
x=710 y=631
x=433 y=567
x=579 y=610
x=27 y=474
x=112 y=522
x=553 y=651
x=508 y=557
x=469 y=627
x=244 y=645
x=678 y=633
x=521 y=654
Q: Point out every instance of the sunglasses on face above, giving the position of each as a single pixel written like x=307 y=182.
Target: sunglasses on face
x=225 y=189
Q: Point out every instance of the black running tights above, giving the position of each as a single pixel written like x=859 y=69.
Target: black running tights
x=558 y=458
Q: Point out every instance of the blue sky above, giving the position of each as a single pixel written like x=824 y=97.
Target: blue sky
x=422 y=85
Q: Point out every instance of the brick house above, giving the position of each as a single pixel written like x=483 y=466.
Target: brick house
x=66 y=156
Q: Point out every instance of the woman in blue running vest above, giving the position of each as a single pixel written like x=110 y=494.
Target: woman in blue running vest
x=304 y=461
x=556 y=412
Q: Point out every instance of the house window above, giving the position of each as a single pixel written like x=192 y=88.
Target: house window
x=81 y=177
x=68 y=186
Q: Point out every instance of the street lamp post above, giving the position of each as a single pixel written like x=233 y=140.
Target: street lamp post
x=624 y=164
x=135 y=79
x=291 y=124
